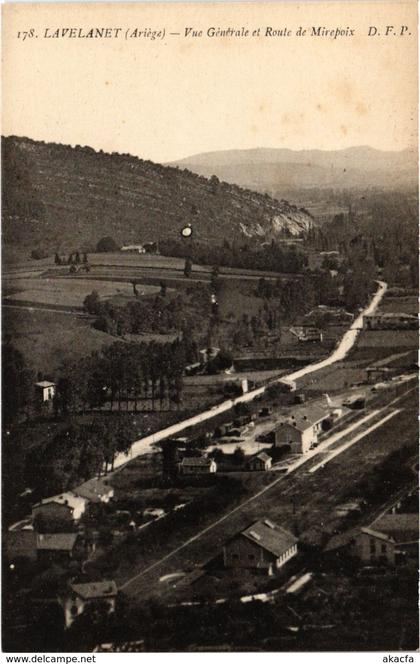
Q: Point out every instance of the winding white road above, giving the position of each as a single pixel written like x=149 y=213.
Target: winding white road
x=348 y=340
x=145 y=445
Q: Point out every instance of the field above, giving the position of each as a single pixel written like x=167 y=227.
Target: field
x=387 y=340
x=405 y=305
x=67 y=291
x=47 y=338
x=339 y=377
x=133 y=263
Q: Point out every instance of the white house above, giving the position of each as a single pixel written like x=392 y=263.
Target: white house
x=45 y=390
x=301 y=429
x=66 y=507
x=135 y=248
x=197 y=466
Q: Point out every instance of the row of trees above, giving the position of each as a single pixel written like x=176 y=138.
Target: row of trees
x=122 y=375
x=17 y=384
x=74 y=259
x=273 y=257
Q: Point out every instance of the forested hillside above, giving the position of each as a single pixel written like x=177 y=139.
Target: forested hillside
x=57 y=197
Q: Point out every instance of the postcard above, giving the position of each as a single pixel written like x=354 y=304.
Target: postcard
x=210 y=328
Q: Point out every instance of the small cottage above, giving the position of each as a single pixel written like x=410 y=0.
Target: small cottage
x=261 y=461
x=262 y=547
x=45 y=390
x=389 y=538
x=81 y=595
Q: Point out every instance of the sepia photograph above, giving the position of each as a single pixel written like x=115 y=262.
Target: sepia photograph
x=210 y=328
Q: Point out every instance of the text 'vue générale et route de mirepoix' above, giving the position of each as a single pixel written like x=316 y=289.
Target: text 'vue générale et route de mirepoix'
x=191 y=32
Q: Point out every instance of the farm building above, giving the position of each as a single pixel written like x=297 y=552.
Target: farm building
x=263 y=546
x=81 y=595
x=65 y=509
x=261 y=461
x=390 y=321
x=95 y=491
x=301 y=430
x=324 y=315
x=389 y=538
x=306 y=333
x=134 y=248
x=197 y=466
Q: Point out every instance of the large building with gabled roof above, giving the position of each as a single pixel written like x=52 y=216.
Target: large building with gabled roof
x=262 y=547
x=302 y=428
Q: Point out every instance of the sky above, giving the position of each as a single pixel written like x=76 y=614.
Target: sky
x=169 y=98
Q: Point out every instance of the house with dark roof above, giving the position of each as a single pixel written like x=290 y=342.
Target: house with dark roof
x=388 y=539
x=197 y=466
x=81 y=595
x=261 y=461
x=59 y=548
x=302 y=428
x=53 y=548
x=262 y=547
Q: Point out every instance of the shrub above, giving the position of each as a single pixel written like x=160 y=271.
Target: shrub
x=107 y=244
x=38 y=254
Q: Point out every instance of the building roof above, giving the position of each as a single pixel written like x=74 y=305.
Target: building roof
x=399 y=528
x=56 y=541
x=95 y=589
x=196 y=461
x=304 y=418
x=270 y=537
x=45 y=383
x=68 y=499
x=263 y=456
x=391 y=315
x=94 y=490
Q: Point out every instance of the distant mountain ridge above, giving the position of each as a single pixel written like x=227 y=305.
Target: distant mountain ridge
x=268 y=169
x=64 y=197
